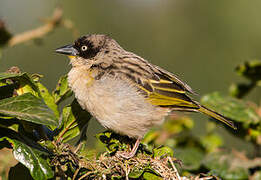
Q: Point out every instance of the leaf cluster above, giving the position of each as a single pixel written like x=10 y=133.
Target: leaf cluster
x=31 y=123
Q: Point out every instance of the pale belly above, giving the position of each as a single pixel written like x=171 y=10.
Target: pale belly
x=116 y=104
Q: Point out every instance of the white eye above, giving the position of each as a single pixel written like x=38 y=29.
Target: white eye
x=84 y=48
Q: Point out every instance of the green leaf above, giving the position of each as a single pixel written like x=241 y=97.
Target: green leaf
x=10 y=75
x=48 y=98
x=32 y=85
x=150 y=137
x=250 y=70
x=191 y=157
x=27 y=85
x=211 y=142
x=75 y=119
x=162 y=151
x=31 y=158
x=25 y=82
x=136 y=173
x=11 y=123
x=151 y=176
x=255 y=135
x=240 y=90
x=62 y=90
x=29 y=108
x=232 y=108
x=28 y=152
x=225 y=165
x=179 y=125
x=116 y=177
x=114 y=141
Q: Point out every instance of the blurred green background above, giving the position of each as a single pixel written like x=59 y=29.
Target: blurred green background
x=200 y=41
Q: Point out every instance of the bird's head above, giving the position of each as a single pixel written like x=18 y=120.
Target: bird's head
x=88 y=49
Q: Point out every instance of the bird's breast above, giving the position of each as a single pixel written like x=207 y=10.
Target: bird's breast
x=115 y=103
x=80 y=80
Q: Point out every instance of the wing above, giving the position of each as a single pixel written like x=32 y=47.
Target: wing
x=168 y=91
x=159 y=86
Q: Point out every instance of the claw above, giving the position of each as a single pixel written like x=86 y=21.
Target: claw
x=128 y=155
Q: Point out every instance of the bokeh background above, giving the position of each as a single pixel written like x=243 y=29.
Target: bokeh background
x=200 y=41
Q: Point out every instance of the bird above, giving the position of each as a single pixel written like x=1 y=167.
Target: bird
x=124 y=92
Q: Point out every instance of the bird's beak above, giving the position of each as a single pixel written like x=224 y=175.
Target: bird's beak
x=67 y=50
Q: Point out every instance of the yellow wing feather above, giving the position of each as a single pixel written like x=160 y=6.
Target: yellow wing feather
x=159 y=95
x=161 y=100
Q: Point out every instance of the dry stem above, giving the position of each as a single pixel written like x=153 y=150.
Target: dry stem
x=41 y=31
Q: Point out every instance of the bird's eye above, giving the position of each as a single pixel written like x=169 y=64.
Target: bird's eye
x=84 y=48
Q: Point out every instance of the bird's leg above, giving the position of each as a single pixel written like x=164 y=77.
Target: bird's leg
x=128 y=155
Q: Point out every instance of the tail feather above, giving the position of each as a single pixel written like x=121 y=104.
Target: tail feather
x=217 y=116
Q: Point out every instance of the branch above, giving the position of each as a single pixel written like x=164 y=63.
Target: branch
x=55 y=21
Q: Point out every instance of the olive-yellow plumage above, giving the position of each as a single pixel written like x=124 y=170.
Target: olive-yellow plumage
x=124 y=92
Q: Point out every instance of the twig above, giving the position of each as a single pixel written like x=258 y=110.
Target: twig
x=79 y=146
x=85 y=175
x=76 y=173
x=174 y=168
x=41 y=31
x=127 y=171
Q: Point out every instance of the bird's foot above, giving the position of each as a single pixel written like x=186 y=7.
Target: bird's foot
x=125 y=155
x=128 y=155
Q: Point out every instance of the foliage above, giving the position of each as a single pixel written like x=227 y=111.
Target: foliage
x=29 y=120
x=250 y=70
x=38 y=134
